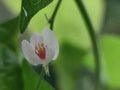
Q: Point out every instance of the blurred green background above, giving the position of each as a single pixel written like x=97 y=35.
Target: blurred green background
x=75 y=65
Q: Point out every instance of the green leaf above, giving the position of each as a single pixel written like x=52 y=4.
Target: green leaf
x=111 y=53
x=8 y=33
x=28 y=9
x=31 y=78
x=10 y=72
x=110 y=61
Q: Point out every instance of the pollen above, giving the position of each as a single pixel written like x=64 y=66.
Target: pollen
x=40 y=50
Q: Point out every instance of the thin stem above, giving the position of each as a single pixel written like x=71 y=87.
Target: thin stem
x=93 y=39
x=52 y=19
x=40 y=79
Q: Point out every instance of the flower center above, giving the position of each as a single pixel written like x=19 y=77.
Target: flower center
x=40 y=50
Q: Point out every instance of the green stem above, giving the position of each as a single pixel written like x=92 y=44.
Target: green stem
x=52 y=19
x=42 y=73
x=93 y=39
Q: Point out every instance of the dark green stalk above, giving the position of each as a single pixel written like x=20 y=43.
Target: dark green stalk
x=52 y=19
x=93 y=39
x=42 y=73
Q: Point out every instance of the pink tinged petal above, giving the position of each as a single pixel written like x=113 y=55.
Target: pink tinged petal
x=36 y=39
x=29 y=53
x=51 y=42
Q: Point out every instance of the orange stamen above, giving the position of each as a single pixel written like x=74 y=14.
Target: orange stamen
x=40 y=50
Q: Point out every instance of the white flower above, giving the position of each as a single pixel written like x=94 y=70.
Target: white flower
x=42 y=48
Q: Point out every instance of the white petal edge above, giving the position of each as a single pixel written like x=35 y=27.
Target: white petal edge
x=35 y=39
x=51 y=41
x=30 y=54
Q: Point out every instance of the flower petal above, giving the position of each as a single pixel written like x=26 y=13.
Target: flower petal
x=35 y=39
x=49 y=55
x=30 y=54
x=51 y=41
